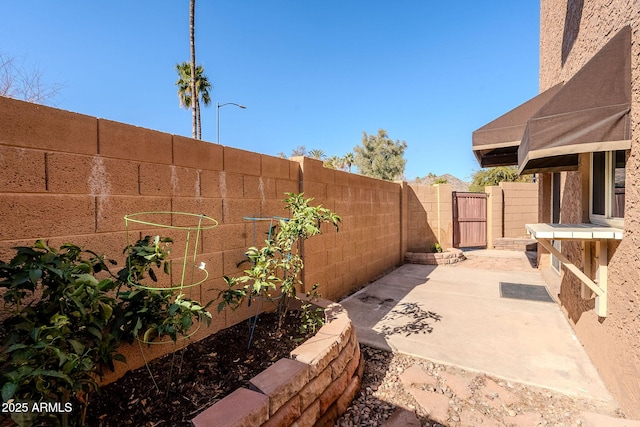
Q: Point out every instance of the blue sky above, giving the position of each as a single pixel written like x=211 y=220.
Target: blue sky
x=312 y=73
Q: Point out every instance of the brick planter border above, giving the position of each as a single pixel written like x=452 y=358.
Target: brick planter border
x=312 y=388
x=449 y=256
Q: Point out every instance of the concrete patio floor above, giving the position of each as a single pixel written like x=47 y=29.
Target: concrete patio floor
x=455 y=315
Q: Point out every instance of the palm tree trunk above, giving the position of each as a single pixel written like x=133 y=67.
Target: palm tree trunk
x=194 y=95
x=198 y=122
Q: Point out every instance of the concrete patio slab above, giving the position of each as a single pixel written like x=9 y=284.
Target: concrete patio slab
x=455 y=315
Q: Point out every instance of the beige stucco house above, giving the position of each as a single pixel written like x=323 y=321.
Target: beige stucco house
x=581 y=137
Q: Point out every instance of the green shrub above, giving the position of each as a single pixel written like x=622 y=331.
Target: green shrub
x=68 y=314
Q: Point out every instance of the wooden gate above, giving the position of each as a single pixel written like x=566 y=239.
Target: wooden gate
x=469 y=219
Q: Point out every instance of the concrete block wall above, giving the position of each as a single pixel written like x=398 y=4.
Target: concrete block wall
x=71 y=178
x=495 y=210
x=520 y=207
x=422 y=207
x=444 y=223
x=430 y=216
x=369 y=240
x=510 y=205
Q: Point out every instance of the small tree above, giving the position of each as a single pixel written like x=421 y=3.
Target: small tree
x=380 y=157
x=300 y=150
x=19 y=82
x=494 y=176
x=277 y=266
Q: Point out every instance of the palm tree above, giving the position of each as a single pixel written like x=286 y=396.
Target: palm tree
x=195 y=107
x=316 y=154
x=185 y=90
x=348 y=160
x=334 y=162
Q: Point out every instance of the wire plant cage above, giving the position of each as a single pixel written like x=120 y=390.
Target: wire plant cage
x=273 y=222
x=187 y=270
x=185 y=231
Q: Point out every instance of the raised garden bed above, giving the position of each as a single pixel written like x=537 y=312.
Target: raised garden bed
x=222 y=383
x=449 y=256
x=311 y=388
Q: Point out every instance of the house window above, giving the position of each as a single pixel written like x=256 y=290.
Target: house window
x=607 y=187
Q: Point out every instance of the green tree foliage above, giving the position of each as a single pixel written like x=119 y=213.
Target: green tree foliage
x=340 y=163
x=348 y=158
x=334 y=162
x=380 y=157
x=66 y=314
x=276 y=267
x=317 y=154
x=203 y=86
x=495 y=175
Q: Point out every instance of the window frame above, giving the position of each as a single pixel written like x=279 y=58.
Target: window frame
x=609 y=192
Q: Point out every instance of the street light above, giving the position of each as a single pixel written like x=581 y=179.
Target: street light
x=218 y=105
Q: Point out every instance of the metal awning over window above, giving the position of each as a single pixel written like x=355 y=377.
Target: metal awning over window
x=590 y=113
x=497 y=142
x=583 y=233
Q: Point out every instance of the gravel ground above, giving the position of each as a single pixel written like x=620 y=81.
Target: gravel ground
x=385 y=388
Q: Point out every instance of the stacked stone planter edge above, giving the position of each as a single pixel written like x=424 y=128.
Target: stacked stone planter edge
x=449 y=256
x=312 y=388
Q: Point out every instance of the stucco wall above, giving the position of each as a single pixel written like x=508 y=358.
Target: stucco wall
x=571 y=32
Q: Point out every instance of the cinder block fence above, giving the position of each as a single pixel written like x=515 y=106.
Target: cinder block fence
x=71 y=178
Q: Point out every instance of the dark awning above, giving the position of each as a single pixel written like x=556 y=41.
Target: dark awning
x=590 y=113
x=497 y=142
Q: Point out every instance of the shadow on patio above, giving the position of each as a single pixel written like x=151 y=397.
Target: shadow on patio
x=456 y=315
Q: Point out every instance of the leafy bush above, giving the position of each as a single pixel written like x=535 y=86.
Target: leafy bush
x=495 y=175
x=153 y=313
x=68 y=314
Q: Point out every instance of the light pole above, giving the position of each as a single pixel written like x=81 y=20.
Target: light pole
x=218 y=105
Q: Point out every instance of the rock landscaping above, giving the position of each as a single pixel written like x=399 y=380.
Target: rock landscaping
x=402 y=391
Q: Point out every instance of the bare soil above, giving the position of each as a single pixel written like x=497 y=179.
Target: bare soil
x=195 y=378
x=192 y=379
